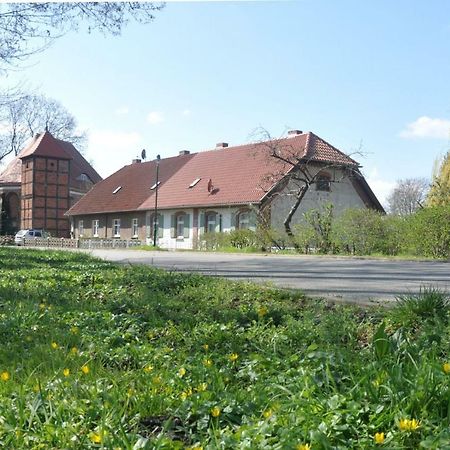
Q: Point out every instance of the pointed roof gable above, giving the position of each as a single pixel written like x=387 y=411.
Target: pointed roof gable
x=45 y=145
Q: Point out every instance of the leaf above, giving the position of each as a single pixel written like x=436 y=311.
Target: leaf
x=381 y=342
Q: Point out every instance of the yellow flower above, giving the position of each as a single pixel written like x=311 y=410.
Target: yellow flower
x=96 y=438
x=379 y=438
x=74 y=330
x=207 y=362
x=262 y=311
x=185 y=394
x=408 y=425
x=233 y=357
x=267 y=413
x=54 y=345
x=202 y=387
x=215 y=412
x=148 y=369
x=66 y=372
x=446 y=368
x=205 y=347
x=74 y=351
x=42 y=305
x=303 y=447
x=5 y=376
x=182 y=372
x=85 y=369
x=156 y=379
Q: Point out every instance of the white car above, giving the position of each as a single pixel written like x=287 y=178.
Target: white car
x=27 y=234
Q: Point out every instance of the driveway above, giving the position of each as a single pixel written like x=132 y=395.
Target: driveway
x=340 y=278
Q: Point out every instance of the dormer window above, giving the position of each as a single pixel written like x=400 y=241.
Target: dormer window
x=117 y=189
x=194 y=182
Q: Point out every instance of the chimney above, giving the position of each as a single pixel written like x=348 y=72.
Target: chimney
x=183 y=152
x=292 y=133
x=222 y=145
x=135 y=161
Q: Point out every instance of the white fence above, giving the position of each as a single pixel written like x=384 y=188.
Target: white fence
x=80 y=243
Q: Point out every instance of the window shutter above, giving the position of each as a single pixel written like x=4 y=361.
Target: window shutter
x=172 y=226
x=187 y=221
x=161 y=225
x=202 y=221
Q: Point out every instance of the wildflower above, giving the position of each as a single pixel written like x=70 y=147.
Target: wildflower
x=262 y=311
x=207 y=362
x=156 y=380
x=408 y=425
x=74 y=351
x=446 y=368
x=185 y=394
x=54 y=345
x=233 y=357
x=5 y=376
x=42 y=305
x=148 y=369
x=182 y=372
x=205 y=347
x=131 y=392
x=215 y=412
x=267 y=413
x=74 y=330
x=66 y=372
x=303 y=447
x=96 y=438
x=202 y=387
x=379 y=438
x=85 y=369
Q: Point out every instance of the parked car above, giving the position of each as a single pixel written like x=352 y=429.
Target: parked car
x=28 y=234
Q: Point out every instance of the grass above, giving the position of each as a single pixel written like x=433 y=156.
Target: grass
x=100 y=356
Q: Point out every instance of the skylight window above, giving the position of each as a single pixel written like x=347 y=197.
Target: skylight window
x=194 y=182
x=117 y=189
x=156 y=184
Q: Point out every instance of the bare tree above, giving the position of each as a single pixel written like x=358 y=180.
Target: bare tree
x=25 y=115
x=27 y=28
x=408 y=196
x=299 y=171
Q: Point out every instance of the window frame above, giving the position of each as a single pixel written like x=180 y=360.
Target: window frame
x=135 y=227
x=81 y=228
x=180 y=220
x=116 y=227
x=95 y=227
x=323 y=182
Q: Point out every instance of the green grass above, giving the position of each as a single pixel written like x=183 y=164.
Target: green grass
x=95 y=355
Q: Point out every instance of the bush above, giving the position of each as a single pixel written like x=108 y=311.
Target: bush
x=429 y=232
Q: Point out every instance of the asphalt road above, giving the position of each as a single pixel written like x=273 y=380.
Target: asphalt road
x=346 y=279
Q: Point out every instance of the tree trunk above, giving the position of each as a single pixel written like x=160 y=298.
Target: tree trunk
x=287 y=221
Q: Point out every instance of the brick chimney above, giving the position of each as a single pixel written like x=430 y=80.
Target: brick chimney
x=183 y=152
x=292 y=133
x=222 y=145
x=135 y=161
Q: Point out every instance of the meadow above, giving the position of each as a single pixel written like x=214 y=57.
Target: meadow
x=96 y=355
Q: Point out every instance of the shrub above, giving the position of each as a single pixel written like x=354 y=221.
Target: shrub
x=429 y=232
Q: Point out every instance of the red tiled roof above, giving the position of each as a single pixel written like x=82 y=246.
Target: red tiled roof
x=239 y=175
x=46 y=145
x=135 y=181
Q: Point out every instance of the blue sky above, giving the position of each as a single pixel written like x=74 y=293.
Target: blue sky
x=369 y=76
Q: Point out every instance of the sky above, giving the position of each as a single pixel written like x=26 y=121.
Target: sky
x=368 y=77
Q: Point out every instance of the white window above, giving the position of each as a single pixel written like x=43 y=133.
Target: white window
x=244 y=221
x=180 y=225
x=80 y=228
x=116 y=227
x=135 y=227
x=95 y=228
x=211 y=222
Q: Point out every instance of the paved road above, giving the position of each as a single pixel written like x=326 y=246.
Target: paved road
x=347 y=279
